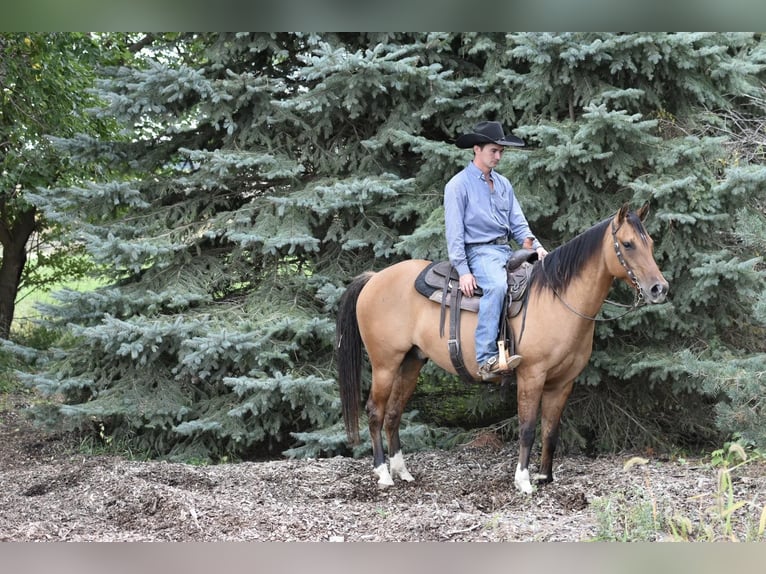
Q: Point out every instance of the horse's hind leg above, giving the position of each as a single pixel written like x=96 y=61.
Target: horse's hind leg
x=383 y=382
x=402 y=391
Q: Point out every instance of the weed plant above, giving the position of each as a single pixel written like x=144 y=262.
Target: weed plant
x=723 y=514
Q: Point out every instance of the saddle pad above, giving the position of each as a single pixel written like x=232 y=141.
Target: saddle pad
x=466 y=303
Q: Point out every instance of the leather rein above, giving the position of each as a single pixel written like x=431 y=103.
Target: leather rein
x=638 y=299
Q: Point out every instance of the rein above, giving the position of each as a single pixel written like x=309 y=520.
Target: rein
x=638 y=292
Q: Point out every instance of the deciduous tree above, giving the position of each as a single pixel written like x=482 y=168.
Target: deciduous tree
x=44 y=81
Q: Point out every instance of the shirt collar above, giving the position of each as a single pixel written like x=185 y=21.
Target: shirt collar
x=476 y=172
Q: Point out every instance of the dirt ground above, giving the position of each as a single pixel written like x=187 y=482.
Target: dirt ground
x=52 y=492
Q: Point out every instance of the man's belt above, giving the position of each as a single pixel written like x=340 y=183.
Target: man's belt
x=498 y=241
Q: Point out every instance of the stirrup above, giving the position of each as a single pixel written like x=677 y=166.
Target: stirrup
x=507 y=362
x=491 y=370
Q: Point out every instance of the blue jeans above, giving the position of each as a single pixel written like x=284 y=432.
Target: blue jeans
x=487 y=263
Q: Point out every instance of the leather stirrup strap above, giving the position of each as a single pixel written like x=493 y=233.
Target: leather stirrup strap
x=443 y=310
x=504 y=342
x=455 y=351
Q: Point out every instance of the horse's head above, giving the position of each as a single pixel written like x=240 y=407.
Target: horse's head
x=633 y=259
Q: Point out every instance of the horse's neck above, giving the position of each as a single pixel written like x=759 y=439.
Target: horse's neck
x=590 y=288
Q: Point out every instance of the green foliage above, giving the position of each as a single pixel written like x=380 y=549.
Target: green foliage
x=194 y=382
x=734 y=451
x=98 y=443
x=627 y=417
x=622 y=519
x=258 y=173
x=45 y=80
x=417 y=436
x=8 y=365
x=446 y=400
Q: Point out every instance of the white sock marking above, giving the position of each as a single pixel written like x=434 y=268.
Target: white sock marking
x=399 y=469
x=384 y=478
x=522 y=480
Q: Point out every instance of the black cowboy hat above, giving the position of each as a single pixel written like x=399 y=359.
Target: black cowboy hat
x=488 y=132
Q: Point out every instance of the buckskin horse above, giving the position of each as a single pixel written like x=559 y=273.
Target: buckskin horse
x=399 y=328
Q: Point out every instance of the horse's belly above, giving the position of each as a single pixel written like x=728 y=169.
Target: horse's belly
x=428 y=338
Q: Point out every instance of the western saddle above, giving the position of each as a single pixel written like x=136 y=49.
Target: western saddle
x=439 y=282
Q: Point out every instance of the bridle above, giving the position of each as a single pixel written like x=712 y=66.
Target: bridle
x=638 y=299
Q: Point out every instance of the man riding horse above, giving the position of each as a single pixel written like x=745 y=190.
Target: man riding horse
x=481 y=214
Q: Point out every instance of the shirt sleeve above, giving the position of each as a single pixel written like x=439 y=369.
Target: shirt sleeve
x=454 y=213
x=520 y=229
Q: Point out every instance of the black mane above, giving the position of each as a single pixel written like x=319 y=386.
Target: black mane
x=564 y=263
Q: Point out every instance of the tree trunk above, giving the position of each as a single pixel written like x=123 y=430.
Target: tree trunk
x=14 y=257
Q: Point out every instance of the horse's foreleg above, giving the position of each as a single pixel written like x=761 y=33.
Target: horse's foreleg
x=528 y=401
x=553 y=403
x=526 y=438
x=403 y=388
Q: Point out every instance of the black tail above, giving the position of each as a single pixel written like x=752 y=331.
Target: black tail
x=348 y=350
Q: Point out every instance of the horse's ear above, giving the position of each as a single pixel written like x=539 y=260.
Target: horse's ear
x=623 y=213
x=643 y=211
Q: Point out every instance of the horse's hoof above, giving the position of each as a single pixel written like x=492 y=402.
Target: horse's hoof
x=542 y=478
x=398 y=468
x=384 y=477
x=522 y=480
x=524 y=487
x=406 y=476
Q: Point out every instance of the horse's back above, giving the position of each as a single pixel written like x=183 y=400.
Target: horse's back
x=397 y=279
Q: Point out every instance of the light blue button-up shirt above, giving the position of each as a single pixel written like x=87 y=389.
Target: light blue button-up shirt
x=475 y=214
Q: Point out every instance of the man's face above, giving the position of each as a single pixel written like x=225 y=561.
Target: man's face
x=488 y=156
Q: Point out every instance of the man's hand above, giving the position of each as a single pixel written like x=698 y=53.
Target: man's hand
x=541 y=251
x=468 y=284
x=527 y=243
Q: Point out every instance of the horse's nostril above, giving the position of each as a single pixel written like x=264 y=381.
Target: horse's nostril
x=659 y=290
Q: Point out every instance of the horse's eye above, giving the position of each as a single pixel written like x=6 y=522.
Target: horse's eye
x=627 y=244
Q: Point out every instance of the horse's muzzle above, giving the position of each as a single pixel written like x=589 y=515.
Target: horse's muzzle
x=657 y=292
